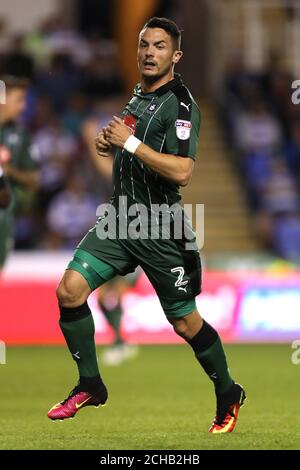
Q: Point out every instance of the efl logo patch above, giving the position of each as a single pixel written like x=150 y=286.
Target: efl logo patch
x=183 y=129
x=130 y=121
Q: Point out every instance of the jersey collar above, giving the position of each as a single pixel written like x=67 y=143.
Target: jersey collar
x=169 y=85
x=177 y=80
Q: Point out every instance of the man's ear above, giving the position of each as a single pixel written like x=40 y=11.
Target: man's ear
x=177 y=56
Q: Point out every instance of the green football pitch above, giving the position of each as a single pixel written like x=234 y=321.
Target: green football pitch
x=159 y=400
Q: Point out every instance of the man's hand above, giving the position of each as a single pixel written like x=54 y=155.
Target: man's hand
x=103 y=146
x=27 y=178
x=117 y=132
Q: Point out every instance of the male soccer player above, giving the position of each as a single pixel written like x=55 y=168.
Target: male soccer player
x=17 y=165
x=154 y=146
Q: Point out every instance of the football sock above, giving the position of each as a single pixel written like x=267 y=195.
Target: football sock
x=93 y=385
x=210 y=354
x=113 y=315
x=78 y=328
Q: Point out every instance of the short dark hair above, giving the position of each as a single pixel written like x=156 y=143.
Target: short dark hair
x=169 y=26
x=12 y=81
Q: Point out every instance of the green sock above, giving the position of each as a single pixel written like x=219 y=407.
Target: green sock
x=113 y=315
x=78 y=328
x=210 y=354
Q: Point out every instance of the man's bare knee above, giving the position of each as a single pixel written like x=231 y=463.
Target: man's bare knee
x=180 y=327
x=73 y=289
x=187 y=327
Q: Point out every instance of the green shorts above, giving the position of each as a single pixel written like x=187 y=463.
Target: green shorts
x=175 y=273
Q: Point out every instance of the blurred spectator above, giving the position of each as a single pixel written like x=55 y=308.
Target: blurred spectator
x=101 y=77
x=279 y=97
x=264 y=128
x=286 y=236
x=239 y=83
x=292 y=151
x=256 y=130
x=280 y=194
x=101 y=113
x=16 y=61
x=62 y=38
x=60 y=81
x=77 y=111
x=70 y=214
x=55 y=150
x=42 y=115
x=36 y=46
x=257 y=168
x=275 y=198
x=240 y=88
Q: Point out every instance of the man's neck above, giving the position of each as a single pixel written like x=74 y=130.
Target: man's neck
x=151 y=87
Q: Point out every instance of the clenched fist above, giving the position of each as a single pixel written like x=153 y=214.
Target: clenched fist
x=103 y=147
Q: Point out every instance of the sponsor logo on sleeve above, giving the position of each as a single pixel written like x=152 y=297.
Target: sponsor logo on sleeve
x=183 y=129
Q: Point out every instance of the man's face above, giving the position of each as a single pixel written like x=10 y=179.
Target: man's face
x=156 y=55
x=15 y=103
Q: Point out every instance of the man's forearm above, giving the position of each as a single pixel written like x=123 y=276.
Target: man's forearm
x=175 y=168
x=29 y=179
x=172 y=167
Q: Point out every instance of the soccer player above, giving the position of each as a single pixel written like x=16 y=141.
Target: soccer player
x=17 y=165
x=154 y=147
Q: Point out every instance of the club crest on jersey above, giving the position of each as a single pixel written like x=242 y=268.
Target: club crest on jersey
x=183 y=129
x=130 y=121
x=151 y=108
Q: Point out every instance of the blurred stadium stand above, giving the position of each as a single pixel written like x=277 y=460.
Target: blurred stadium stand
x=215 y=184
x=240 y=60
